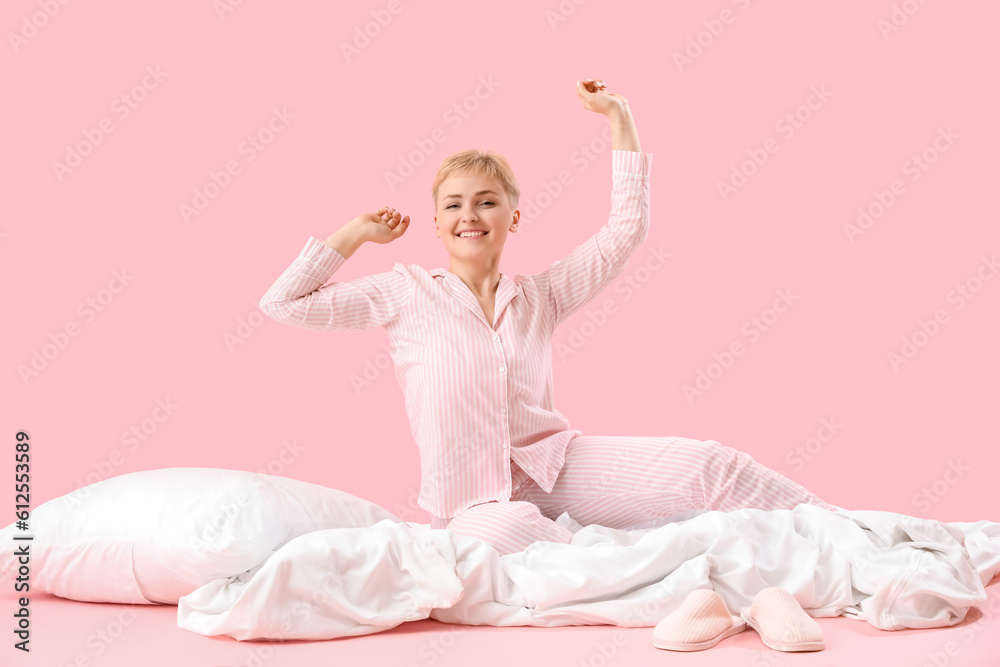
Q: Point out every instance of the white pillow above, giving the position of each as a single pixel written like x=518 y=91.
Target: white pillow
x=156 y=535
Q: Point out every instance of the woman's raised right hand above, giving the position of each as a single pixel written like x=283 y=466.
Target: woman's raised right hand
x=383 y=225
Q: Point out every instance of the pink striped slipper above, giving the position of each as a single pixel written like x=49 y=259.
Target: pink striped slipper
x=782 y=623
x=701 y=622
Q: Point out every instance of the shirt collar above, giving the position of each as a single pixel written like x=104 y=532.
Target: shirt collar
x=451 y=276
x=507 y=289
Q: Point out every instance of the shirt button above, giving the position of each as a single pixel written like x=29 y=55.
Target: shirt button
x=496 y=337
x=506 y=446
x=503 y=408
x=531 y=467
x=502 y=369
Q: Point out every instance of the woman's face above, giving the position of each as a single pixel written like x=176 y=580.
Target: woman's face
x=473 y=202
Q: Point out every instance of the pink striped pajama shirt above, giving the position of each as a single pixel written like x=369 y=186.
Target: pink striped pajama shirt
x=497 y=460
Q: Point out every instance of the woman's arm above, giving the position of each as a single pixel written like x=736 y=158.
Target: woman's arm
x=623 y=134
x=346 y=240
x=595 y=97
x=580 y=276
x=297 y=299
x=571 y=282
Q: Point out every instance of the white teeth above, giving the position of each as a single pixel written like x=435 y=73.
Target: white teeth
x=466 y=235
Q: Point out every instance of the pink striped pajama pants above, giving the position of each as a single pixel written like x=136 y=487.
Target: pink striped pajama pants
x=625 y=481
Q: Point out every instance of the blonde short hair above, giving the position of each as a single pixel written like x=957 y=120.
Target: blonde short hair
x=481 y=163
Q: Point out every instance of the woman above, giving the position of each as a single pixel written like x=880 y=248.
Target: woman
x=471 y=348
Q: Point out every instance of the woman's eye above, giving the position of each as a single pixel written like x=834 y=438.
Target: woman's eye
x=450 y=205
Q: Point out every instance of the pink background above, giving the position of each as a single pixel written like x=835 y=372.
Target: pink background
x=282 y=399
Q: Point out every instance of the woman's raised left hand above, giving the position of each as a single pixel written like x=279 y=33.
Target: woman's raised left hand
x=595 y=97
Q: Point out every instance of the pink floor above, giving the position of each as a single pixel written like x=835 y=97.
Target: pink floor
x=66 y=632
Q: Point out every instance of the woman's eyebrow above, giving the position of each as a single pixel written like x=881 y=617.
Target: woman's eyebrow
x=481 y=192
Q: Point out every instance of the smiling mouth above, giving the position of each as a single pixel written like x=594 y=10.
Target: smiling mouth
x=472 y=236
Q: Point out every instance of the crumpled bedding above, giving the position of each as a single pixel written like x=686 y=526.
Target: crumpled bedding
x=892 y=570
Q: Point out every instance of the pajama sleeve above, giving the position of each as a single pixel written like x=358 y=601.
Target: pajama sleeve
x=580 y=276
x=297 y=299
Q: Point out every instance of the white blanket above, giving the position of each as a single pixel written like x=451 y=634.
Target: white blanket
x=892 y=570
